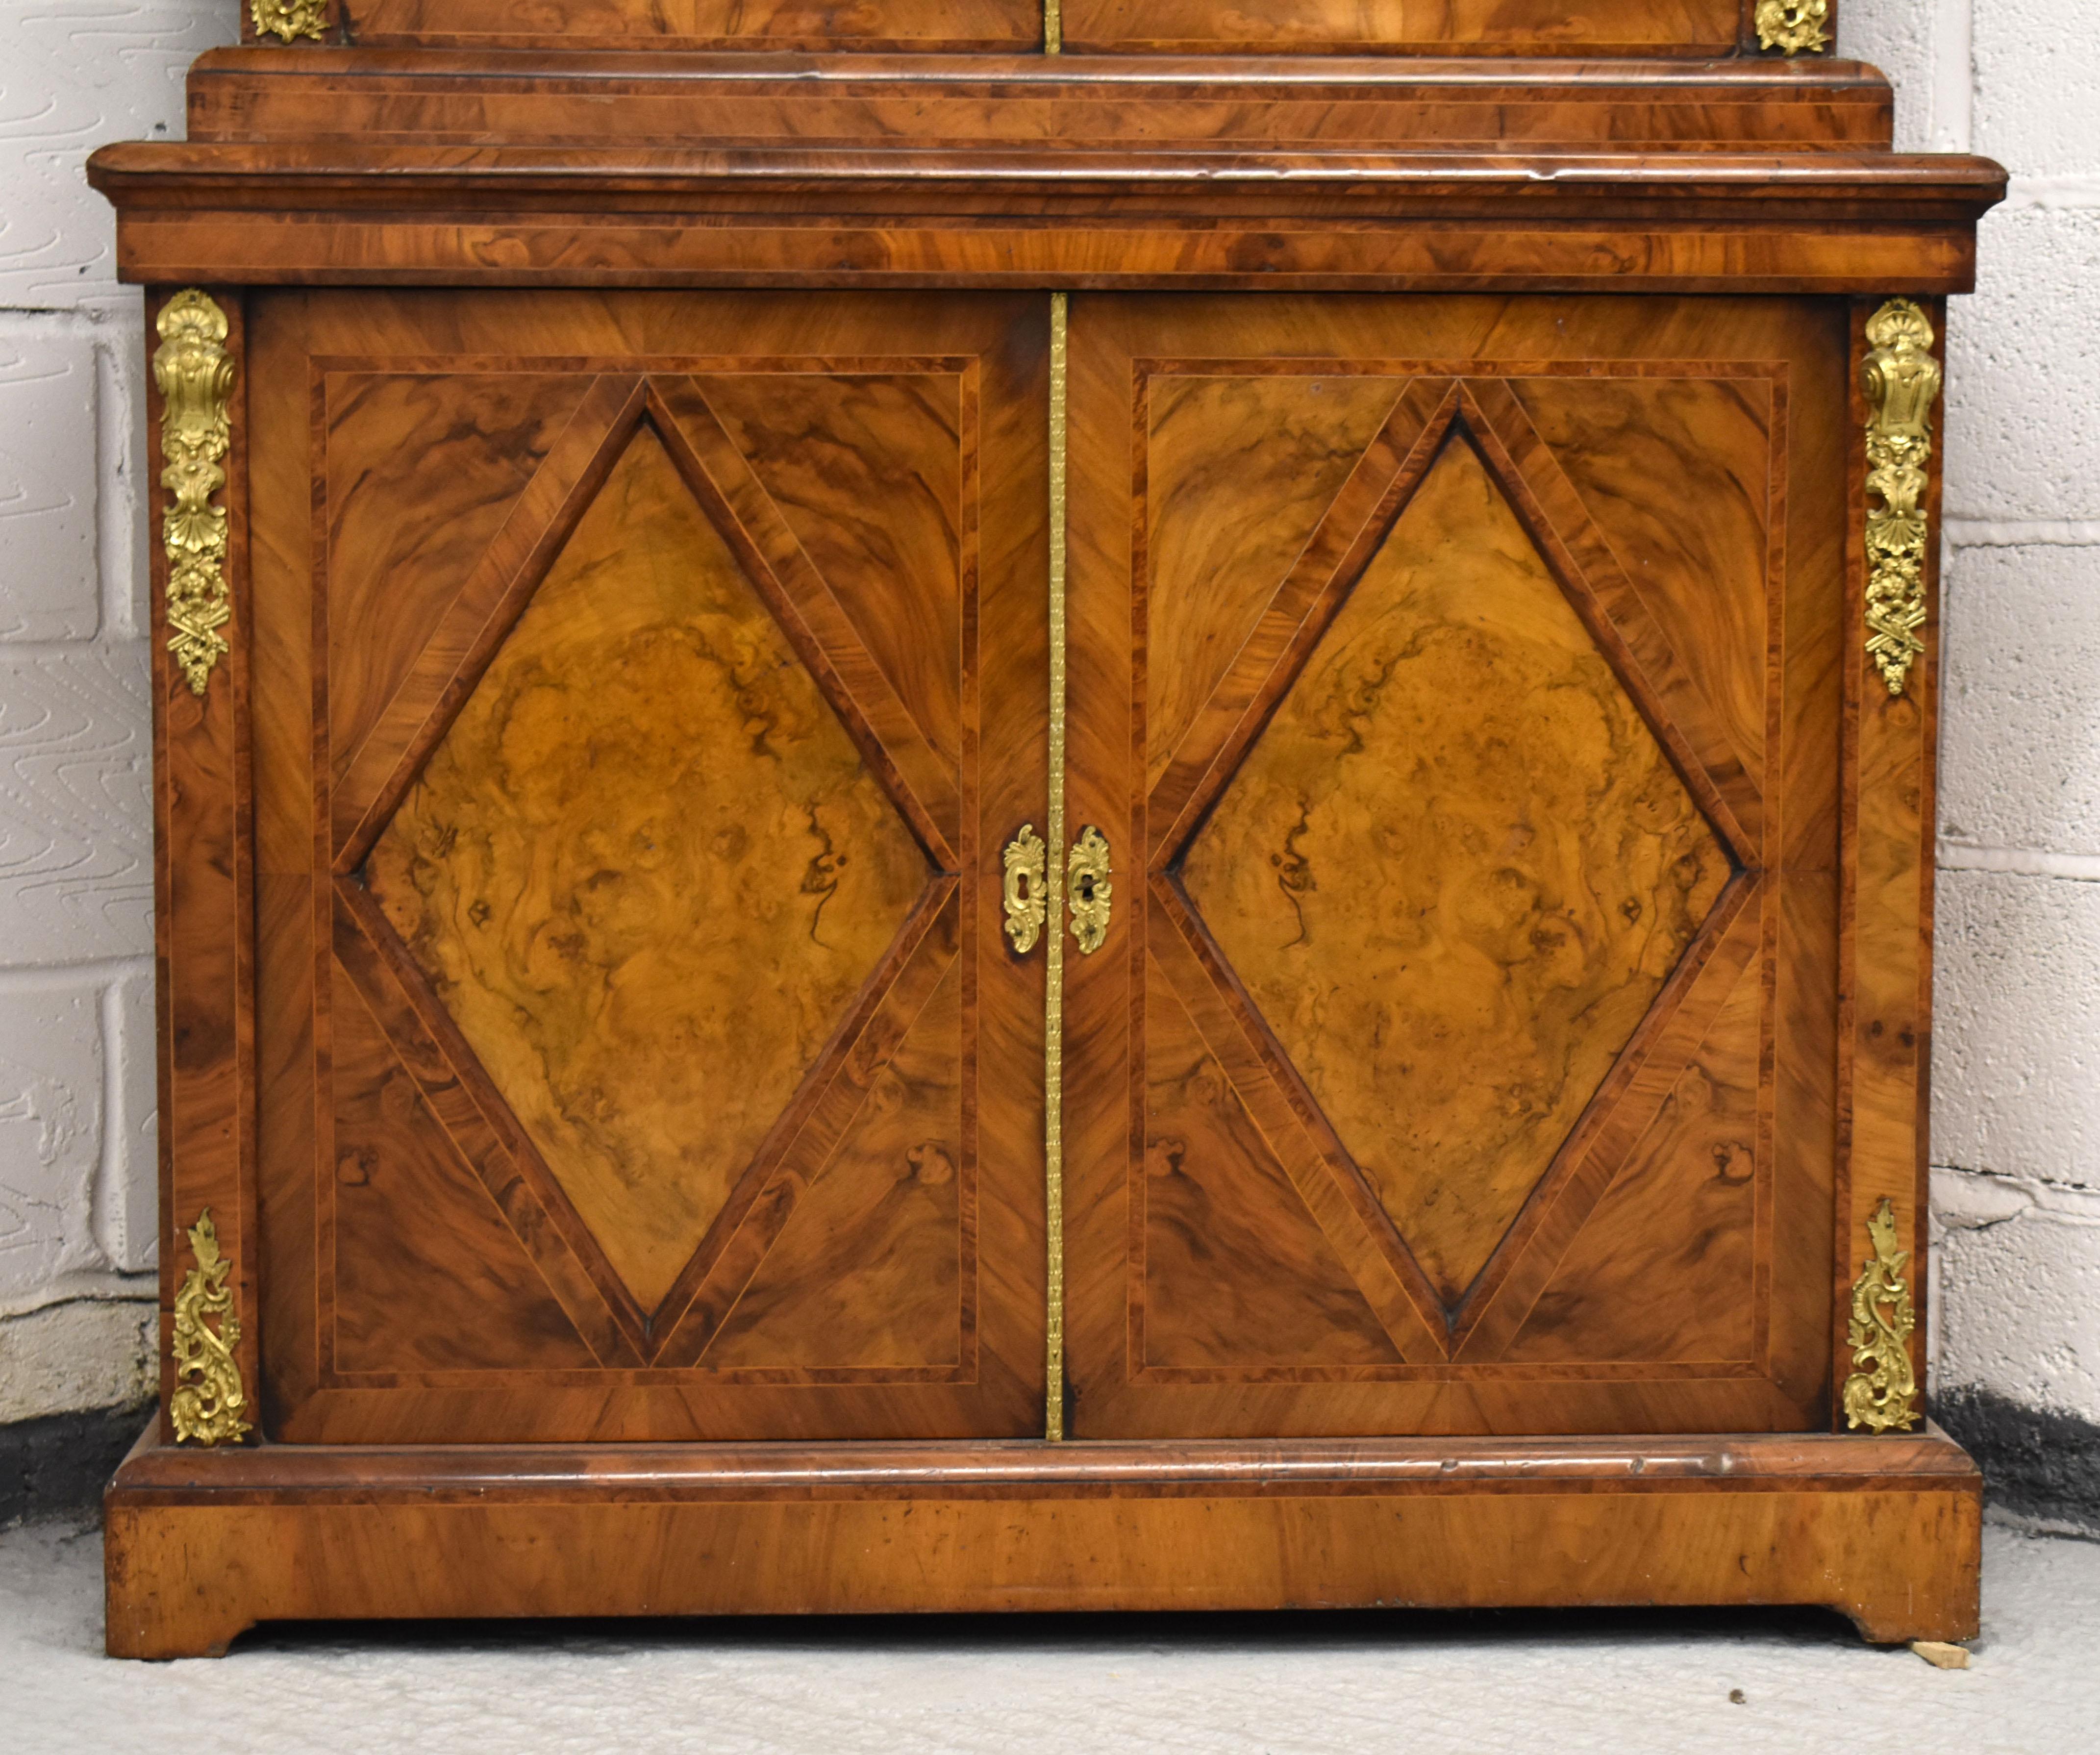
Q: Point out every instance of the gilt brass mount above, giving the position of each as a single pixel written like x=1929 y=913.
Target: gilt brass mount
x=194 y=375
x=1794 y=26
x=1086 y=879
x=1881 y=1395
x=1902 y=381
x=1026 y=901
x=209 y=1399
x=285 y=19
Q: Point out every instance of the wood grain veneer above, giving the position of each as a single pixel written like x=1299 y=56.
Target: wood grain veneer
x=868 y=102
x=369 y=166
x=574 y=25
x=1417 y=27
x=204 y=928
x=1884 y=1530
x=1891 y=772
x=899 y=215
x=645 y=791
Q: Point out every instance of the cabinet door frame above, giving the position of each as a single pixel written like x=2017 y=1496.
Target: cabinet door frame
x=1454 y=356
x=638 y=354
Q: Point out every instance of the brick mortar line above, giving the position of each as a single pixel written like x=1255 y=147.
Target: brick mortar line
x=2023 y=533
x=2019 y=861
x=100 y=1286
x=23 y=978
x=2068 y=190
x=2023 y=1181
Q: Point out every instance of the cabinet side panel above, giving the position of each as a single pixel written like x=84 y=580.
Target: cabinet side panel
x=205 y=927
x=1891 y=762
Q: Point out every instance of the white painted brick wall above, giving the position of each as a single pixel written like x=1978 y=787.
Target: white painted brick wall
x=2016 y=1098
x=2016 y=453
x=2016 y=1062
x=73 y=75
x=77 y=1124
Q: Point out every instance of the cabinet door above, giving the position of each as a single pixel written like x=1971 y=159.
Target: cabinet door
x=645 y=684
x=1456 y=680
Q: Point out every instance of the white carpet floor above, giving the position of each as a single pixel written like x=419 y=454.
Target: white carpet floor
x=1621 y=1684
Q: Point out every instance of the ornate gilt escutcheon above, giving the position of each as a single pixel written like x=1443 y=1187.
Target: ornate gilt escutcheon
x=1794 y=26
x=1881 y=1394
x=1902 y=381
x=207 y=1402
x=1027 y=903
x=1086 y=878
x=194 y=373
x=286 y=20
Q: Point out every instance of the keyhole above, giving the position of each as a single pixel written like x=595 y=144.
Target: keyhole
x=1085 y=889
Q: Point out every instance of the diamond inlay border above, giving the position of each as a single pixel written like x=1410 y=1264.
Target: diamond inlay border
x=1484 y=412
x=371 y=781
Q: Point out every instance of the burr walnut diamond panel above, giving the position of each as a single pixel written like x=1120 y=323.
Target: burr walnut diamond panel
x=1455 y=870
x=645 y=799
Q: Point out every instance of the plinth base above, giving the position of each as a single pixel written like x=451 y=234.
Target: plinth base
x=202 y=1545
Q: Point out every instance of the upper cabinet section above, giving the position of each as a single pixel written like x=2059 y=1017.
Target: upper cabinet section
x=1678 y=161
x=1703 y=29
x=1091 y=111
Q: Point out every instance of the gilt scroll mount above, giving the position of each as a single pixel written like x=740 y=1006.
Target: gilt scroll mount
x=288 y=19
x=1902 y=381
x=194 y=373
x=1027 y=900
x=209 y=1398
x=1086 y=881
x=1881 y=1392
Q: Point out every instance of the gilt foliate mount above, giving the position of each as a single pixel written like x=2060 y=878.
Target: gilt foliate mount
x=194 y=373
x=1902 y=381
x=1881 y=1392
x=1024 y=899
x=287 y=20
x=208 y=1399
x=1794 y=27
x=1087 y=885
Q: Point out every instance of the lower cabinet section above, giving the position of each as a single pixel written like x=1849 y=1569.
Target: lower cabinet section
x=696 y=770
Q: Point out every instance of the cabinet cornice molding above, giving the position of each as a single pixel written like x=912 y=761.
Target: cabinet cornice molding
x=527 y=215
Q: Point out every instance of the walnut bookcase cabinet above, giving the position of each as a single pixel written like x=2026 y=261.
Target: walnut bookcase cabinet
x=961 y=810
